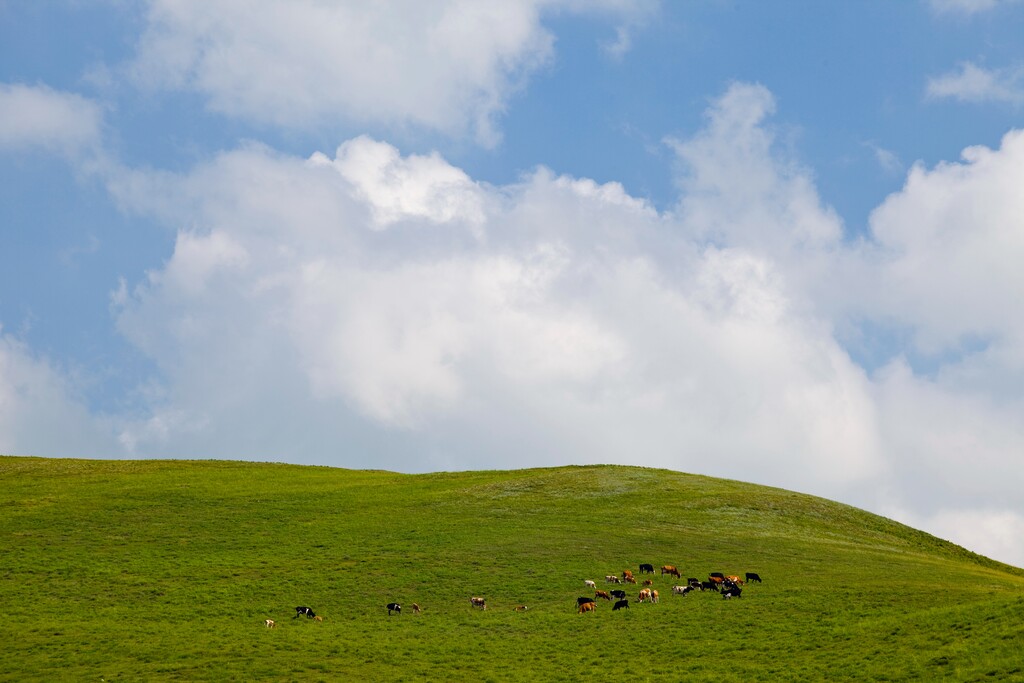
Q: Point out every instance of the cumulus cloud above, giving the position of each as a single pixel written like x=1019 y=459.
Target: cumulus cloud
x=972 y=83
x=445 y=66
x=34 y=117
x=40 y=411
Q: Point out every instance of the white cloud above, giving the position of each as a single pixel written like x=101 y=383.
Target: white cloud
x=967 y=7
x=40 y=411
x=972 y=83
x=447 y=66
x=40 y=117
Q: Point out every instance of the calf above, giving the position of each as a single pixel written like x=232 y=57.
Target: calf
x=620 y=595
x=647 y=569
x=478 y=602
x=299 y=611
x=521 y=608
x=589 y=584
x=588 y=607
x=318 y=619
x=620 y=605
x=602 y=594
x=751 y=576
x=648 y=582
x=415 y=608
x=270 y=623
x=394 y=607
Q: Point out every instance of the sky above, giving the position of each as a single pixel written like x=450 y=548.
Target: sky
x=776 y=242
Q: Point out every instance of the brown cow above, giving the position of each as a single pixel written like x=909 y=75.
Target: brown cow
x=478 y=602
x=587 y=607
x=645 y=595
x=626 y=574
x=415 y=608
x=602 y=594
x=270 y=623
x=520 y=608
x=670 y=569
x=654 y=595
x=648 y=582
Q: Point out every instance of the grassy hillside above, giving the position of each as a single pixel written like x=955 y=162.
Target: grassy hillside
x=165 y=570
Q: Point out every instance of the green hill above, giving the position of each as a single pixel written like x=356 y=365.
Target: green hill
x=166 y=570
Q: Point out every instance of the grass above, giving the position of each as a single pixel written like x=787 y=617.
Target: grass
x=165 y=570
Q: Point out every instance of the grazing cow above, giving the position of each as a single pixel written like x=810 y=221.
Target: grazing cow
x=415 y=608
x=620 y=595
x=612 y=579
x=588 y=607
x=478 y=602
x=602 y=594
x=589 y=584
x=648 y=582
x=654 y=595
x=626 y=574
x=681 y=590
x=714 y=575
x=520 y=608
x=716 y=579
x=645 y=595
x=693 y=582
x=270 y=623
x=751 y=577
x=394 y=607
x=630 y=579
x=620 y=604
x=299 y=611
x=583 y=600
x=733 y=592
x=647 y=569
x=319 y=619
x=735 y=580
x=709 y=586
x=670 y=569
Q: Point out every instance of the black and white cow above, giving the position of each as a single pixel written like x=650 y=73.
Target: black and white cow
x=394 y=607
x=621 y=595
x=308 y=611
x=733 y=592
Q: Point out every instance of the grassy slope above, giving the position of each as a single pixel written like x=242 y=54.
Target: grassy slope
x=136 y=570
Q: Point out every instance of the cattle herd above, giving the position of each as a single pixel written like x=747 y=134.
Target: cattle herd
x=727 y=586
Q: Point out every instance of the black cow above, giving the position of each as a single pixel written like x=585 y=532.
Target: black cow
x=709 y=586
x=621 y=595
x=693 y=582
x=394 y=607
x=299 y=611
x=751 y=576
x=647 y=569
x=620 y=604
x=582 y=600
x=716 y=575
x=733 y=592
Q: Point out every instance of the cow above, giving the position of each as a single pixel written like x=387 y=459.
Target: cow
x=670 y=569
x=478 y=602
x=733 y=592
x=681 y=590
x=588 y=607
x=394 y=607
x=630 y=579
x=299 y=611
x=583 y=600
x=620 y=605
x=716 y=579
x=648 y=582
x=589 y=584
x=647 y=569
x=714 y=575
x=735 y=579
x=620 y=595
x=520 y=608
x=709 y=586
x=602 y=594
x=612 y=579
x=693 y=582
x=654 y=595
x=645 y=595
x=318 y=619
x=626 y=574
x=270 y=623
x=415 y=608
x=751 y=577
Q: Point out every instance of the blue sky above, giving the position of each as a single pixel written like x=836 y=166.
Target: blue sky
x=776 y=242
